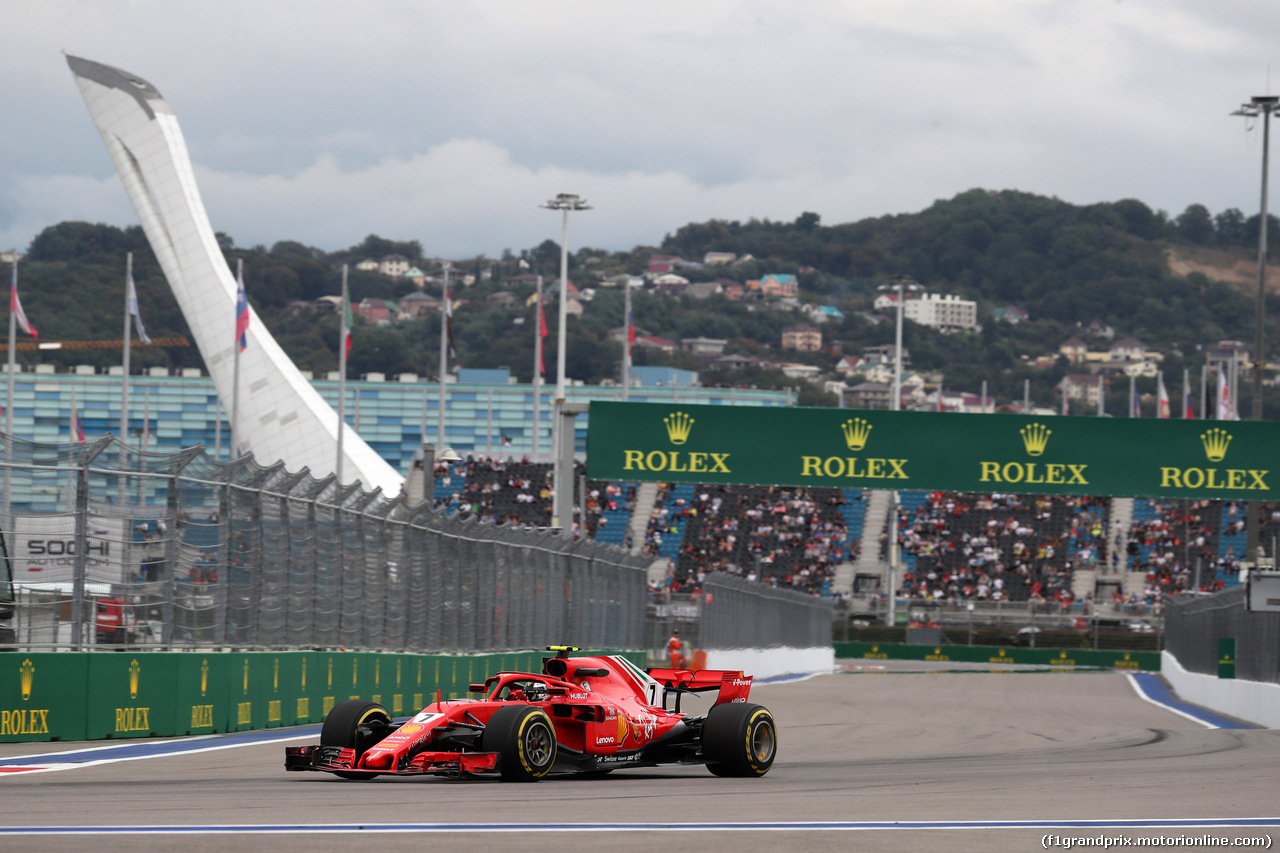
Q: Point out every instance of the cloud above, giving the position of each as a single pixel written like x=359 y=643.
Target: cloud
x=449 y=122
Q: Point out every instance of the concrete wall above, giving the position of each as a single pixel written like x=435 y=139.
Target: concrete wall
x=1254 y=701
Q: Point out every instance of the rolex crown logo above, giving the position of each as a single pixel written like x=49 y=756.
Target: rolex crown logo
x=1215 y=444
x=856 y=431
x=28 y=676
x=679 y=425
x=1035 y=437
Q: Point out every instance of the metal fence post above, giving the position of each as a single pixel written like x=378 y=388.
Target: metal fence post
x=82 y=540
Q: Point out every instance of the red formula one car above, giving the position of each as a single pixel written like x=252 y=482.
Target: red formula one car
x=579 y=715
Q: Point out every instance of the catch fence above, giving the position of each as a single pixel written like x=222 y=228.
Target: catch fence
x=742 y=614
x=111 y=546
x=1194 y=626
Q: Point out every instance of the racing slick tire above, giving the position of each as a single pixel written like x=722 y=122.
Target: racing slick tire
x=739 y=740
x=356 y=724
x=525 y=740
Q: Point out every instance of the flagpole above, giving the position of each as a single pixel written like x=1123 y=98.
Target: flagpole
x=1204 y=390
x=235 y=371
x=1133 y=396
x=626 y=359
x=8 y=406
x=1186 y=391
x=444 y=357
x=13 y=346
x=537 y=375
x=342 y=374
x=127 y=339
x=984 y=396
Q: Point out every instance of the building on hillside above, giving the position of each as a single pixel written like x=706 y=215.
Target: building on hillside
x=942 y=311
x=704 y=289
x=703 y=346
x=822 y=313
x=655 y=342
x=1099 y=329
x=1010 y=314
x=667 y=279
x=418 y=304
x=884 y=353
x=1127 y=349
x=378 y=311
x=867 y=395
x=792 y=370
x=734 y=362
x=394 y=265
x=1082 y=387
x=1074 y=350
x=779 y=284
x=1225 y=354
x=802 y=337
x=713 y=259
x=367 y=265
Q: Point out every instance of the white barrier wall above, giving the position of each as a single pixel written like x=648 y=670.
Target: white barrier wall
x=1253 y=701
x=770 y=663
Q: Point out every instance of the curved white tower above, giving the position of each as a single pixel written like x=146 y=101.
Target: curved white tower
x=281 y=416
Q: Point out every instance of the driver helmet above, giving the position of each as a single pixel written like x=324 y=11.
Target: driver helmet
x=536 y=692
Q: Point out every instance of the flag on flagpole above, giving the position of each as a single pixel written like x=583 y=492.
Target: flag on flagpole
x=1226 y=405
x=940 y=406
x=348 y=320
x=77 y=428
x=1162 y=400
x=15 y=306
x=1188 y=408
x=133 y=309
x=242 y=315
x=448 y=321
x=631 y=332
x=542 y=331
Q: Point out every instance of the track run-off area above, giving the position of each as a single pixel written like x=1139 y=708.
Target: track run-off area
x=891 y=756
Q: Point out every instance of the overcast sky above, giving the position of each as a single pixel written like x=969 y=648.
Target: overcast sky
x=449 y=123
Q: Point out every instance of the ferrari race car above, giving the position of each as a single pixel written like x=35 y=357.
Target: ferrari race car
x=579 y=715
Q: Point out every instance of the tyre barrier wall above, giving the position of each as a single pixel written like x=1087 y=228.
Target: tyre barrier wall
x=1133 y=661
x=69 y=696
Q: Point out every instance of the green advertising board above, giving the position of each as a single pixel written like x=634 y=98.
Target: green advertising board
x=43 y=696
x=848 y=448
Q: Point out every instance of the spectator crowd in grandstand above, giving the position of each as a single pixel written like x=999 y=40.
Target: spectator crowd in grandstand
x=955 y=547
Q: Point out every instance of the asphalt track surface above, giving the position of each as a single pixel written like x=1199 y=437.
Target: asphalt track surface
x=906 y=758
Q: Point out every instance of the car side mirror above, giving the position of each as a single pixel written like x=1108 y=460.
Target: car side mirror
x=476 y=688
x=557 y=691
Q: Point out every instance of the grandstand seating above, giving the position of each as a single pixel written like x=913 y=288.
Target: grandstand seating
x=998 y=547
x=953 y=545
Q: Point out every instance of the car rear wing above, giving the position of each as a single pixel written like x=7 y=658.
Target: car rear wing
x=733 y=686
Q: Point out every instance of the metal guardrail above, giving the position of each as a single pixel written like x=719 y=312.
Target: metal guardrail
x=111 y=546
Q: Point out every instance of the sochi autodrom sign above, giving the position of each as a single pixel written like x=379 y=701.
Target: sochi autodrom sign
x=43 y=549
x=861 y=448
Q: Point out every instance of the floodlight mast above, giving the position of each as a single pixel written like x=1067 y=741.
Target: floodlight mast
x=561 y=505
x=1259 y=105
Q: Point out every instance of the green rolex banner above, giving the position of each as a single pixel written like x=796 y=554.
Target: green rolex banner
x=862 y=448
